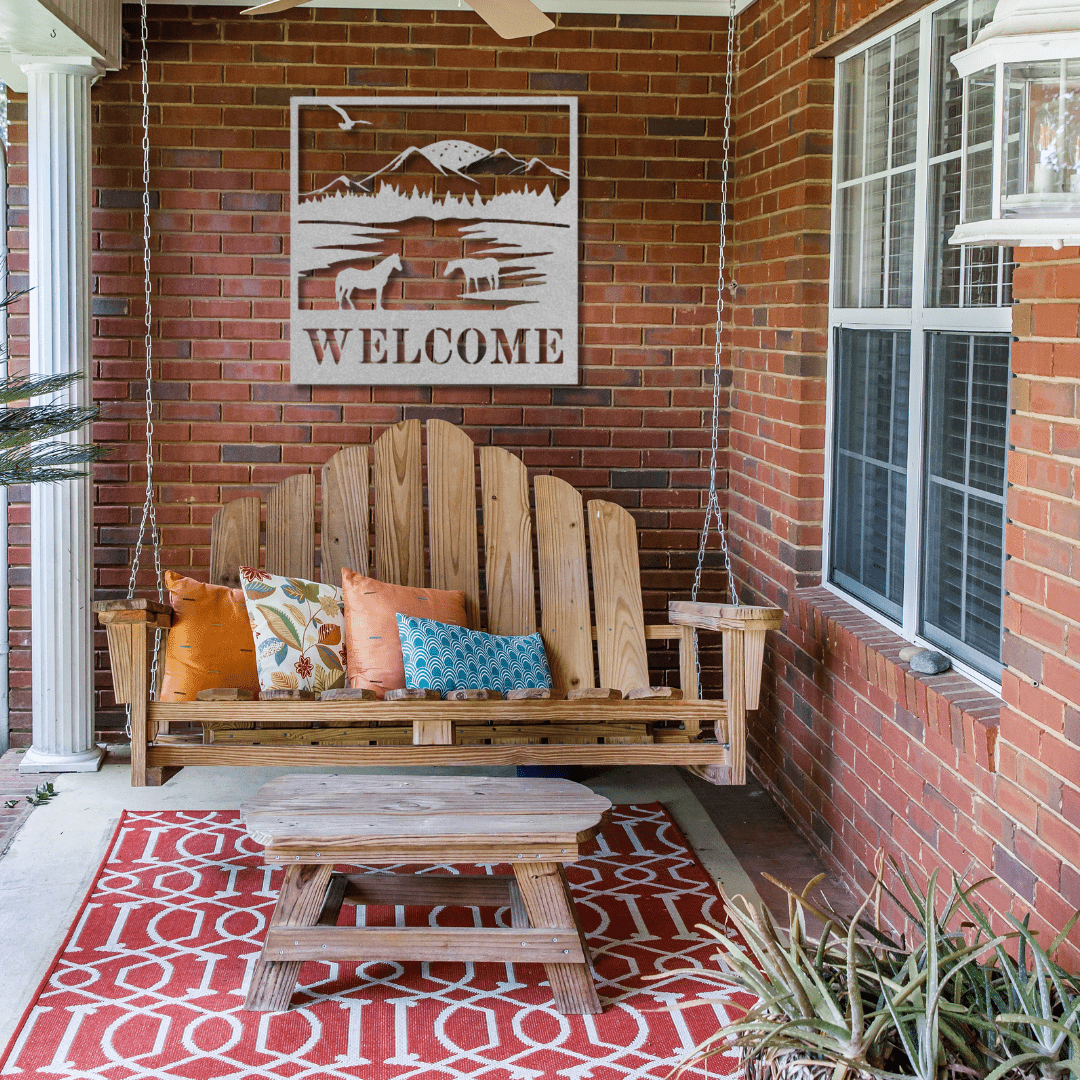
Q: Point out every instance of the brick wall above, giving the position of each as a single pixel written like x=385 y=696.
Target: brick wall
x=635 y=428
x=860 y=753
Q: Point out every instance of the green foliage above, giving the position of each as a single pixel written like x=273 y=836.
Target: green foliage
x=42 y=794
x=27 y=454
x=954 y=1003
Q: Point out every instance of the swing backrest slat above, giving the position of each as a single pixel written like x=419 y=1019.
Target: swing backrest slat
x=399 y=502
x=290 y=527
x=234 y=540
x=508 y=558
x=620 y=619
x=566 y=625
x=345 y=514
x=452 y=514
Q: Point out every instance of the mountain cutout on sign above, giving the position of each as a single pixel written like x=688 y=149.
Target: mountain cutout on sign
x=452 y=157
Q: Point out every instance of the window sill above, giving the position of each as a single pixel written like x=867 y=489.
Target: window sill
x=931 y=708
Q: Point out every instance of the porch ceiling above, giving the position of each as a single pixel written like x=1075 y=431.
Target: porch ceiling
x=593 y=7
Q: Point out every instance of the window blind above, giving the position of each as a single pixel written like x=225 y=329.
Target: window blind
x=870 y=466
x=967 y=421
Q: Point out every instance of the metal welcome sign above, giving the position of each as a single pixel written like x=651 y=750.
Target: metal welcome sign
x=434 y=240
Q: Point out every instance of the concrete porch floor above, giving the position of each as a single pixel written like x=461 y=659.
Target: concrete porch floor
x=51 y=862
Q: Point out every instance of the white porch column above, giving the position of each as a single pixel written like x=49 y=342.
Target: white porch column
x=62 y=568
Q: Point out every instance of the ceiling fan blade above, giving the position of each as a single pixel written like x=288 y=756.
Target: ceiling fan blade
x=271 y=6
x=512 y=18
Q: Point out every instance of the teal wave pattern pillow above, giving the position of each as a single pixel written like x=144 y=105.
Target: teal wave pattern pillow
x=442 y=657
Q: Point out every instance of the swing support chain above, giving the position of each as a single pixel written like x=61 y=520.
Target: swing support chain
x=149 y=513
x=712 y=507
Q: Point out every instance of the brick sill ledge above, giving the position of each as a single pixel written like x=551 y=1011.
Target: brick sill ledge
x=949 y=706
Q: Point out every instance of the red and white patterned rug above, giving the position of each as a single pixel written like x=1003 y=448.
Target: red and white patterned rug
x=152 y=978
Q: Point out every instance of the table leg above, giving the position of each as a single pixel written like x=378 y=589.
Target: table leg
x=550 y=906
x=300 y=903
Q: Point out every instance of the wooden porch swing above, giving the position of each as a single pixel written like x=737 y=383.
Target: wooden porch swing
x=620 y=720
x=616 y=719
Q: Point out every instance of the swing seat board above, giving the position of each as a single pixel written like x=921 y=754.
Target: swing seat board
x=700 y=754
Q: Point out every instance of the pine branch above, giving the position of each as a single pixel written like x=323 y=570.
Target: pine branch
x=20 y=427
x=43 y=463
x=23 y=387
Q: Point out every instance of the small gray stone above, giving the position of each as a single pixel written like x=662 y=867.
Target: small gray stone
x=908 y=651
x=930 y=663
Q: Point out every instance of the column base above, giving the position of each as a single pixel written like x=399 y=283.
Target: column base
x=38 y=761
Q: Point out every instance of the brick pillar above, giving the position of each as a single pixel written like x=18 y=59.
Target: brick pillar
x=1039 y=750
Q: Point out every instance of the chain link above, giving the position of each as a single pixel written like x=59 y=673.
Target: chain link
x=712 y=507
x=149 y=513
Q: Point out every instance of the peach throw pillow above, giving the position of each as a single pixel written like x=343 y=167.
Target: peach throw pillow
x=371 y=633
x=210 y=643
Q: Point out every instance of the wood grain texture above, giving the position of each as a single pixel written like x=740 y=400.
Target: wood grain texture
x=387 y=757
x=452 y=514
x=459 y=890
x=620 y=618
x=290 y=527
x=549 y=904
x=139 y=684
x=225 y=693
x=461 y=944
x=234 y=540
x=412 y=693
x=300 y=904
x=348 y=693
x=397 y=735
x=463 y=712
x=594 y=693
x=508 y=558
x=722 y=616
x=654 y=693
x=566 y=626
x=472 y=695
x=529 y=693
x=735 y=695
x=399 y=518
x=433 y=732
x=345 y=516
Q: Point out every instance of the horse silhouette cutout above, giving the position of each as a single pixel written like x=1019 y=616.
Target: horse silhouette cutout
x=351 y=280
x=475 y=271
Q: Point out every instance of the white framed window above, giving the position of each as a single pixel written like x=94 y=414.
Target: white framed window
x=919 y=337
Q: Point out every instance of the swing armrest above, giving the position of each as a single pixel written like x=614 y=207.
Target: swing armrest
x=140 y=610
x=724 y=616
x=128 y=624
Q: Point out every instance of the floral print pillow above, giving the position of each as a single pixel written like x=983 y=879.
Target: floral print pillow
x=299 y=630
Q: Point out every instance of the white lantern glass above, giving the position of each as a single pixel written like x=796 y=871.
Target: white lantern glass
x=1042 y=138
x=1023 y=122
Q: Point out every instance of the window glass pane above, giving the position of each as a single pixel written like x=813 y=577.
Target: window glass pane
x=961 y=126
x=870 y=471
x=942 y=259
x=848 y=245
x=905 y=97
x=963 y=544
x=949 y=36
x=901 y=237
x=879 y=66
x=873 y=253
x=850 y=116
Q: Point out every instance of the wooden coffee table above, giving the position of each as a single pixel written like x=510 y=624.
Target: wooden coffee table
x=308 y=823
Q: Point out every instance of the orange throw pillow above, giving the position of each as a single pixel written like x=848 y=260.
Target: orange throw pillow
x=210 y=643
x=371 y=634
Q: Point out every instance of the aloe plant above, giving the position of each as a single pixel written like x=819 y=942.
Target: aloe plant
x=853 y=1001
